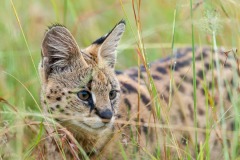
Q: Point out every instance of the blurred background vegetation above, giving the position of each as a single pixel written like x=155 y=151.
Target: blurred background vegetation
x=90 y=19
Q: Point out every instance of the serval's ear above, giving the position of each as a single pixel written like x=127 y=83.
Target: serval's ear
x=108 y=45
x=59 y=50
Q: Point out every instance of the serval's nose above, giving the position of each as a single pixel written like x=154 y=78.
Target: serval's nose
x=106 y=115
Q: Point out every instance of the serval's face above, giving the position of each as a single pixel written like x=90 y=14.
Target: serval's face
x=79 y=86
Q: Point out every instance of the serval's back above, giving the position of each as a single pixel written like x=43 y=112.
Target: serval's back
x=112 y=113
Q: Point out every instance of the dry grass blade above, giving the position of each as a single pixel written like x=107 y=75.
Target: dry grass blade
x=2 y=100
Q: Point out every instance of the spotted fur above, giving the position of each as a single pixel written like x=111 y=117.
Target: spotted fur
x=102 y=125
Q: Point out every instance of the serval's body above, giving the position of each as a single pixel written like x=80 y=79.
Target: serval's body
x=99 y=108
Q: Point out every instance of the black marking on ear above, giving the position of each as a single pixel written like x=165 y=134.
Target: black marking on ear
x=161 y=70
x=103 y=38
x=146 y=101
x=129 y=87
x=127 y=103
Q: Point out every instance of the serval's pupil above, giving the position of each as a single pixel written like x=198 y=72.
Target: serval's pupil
x=107 y=110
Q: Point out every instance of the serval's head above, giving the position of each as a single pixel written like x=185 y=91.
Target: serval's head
x=79 y=86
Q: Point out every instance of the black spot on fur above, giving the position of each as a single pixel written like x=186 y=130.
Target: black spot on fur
x=127 y=103
x=63 y=93
x=51 y=91
x=118 y=116
x=185 y=139
x=180 y=87
x=146 y=101
x=210 y=85
x=52 y=109
x=56 y=119
x=197 y=82
x=227 y=65
x=232 y=82
x=161 y=70
x=156 y=77
x=144 y=128
x=185 y=78
x=182 y=117
x=61 y=110
x=165 y=98
x=200 y=74
x=191 y=111
x=228 y=96
x=58 y=98
x=201 y=111
x=142 y=69
x=44 y=102
x=234 y=126
x=198 y=57
x=215 y=142
x=202 y=91
x=206 y=65
x=129 y=87
x=181 y=65
x=57 y=106
x=48 y=97
x=68 y=97
x=167 y=88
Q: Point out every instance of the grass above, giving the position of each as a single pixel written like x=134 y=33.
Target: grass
x=154 y=29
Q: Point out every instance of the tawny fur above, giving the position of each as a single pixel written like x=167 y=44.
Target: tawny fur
x=65 y=70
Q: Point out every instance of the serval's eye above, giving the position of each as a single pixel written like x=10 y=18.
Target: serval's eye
x=84 y=95
x=112 y=94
